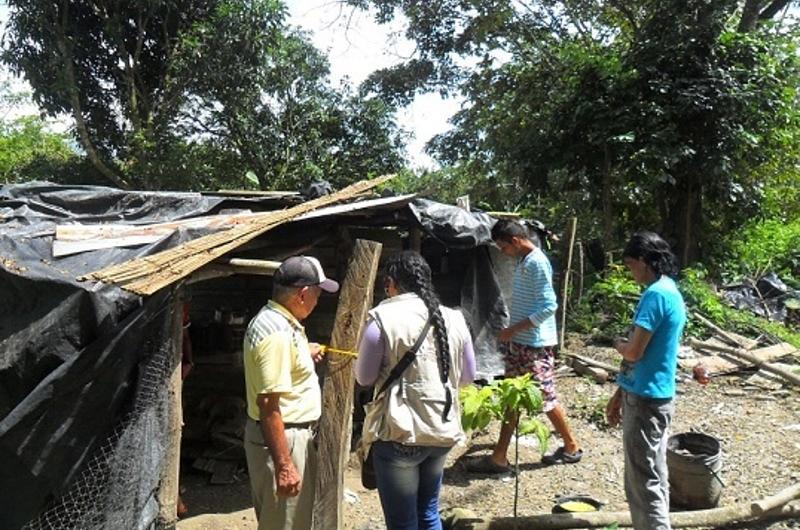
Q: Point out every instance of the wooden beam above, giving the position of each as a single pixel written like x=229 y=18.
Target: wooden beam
x=747 y=356
x=779 y=507
x=730 y=338
x=592 y=362
x=337 y=389
x=505 y=215
x=223 y=268
x=170 y=468
x=147 y=274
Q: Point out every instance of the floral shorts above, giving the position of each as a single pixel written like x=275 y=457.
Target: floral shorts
x=521 y=359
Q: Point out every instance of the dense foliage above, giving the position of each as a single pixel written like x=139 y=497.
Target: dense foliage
x=29 y=151
x=700 y=295
x=606 y=309
x=196 y=93
x=763 y=246
x=667 y=115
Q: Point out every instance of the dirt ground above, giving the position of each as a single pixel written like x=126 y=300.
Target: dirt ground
x=757 y=424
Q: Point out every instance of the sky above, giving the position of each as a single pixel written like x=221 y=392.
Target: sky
x=356 y=46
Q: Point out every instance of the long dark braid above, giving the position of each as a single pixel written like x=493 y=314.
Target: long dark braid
x=412 y=273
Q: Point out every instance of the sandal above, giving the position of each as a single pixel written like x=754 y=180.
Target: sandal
x=561 y=456
x=486 y=466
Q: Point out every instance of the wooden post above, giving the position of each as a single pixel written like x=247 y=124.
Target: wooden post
x=337 y=390
x=582 y=270
x=565 y=276
x=170 y=468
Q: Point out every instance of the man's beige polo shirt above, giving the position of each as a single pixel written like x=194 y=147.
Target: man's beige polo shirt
x=277 y=360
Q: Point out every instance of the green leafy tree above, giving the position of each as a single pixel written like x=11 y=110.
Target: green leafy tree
x=29 y=150
x=192 y=93
x=665 y=115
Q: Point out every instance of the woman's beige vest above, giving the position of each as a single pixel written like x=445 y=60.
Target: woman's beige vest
x=410 y=410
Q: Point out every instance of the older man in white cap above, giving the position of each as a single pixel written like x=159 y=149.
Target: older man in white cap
x=283 y=397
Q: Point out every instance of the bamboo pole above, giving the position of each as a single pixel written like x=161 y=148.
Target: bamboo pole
x=582 y=267
x=565 y=277
x=782 y=497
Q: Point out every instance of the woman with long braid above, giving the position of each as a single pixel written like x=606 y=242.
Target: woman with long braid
x=644 y=399
x=414 y=423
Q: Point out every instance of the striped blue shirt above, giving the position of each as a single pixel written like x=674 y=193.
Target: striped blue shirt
x=533 y=297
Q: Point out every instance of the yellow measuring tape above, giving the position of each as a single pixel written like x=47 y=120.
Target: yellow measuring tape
x=328 y=349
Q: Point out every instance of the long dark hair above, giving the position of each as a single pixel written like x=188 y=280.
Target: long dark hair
x=412 y=274
x=654 y=251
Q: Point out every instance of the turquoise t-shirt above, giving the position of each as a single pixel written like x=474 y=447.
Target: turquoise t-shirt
x=661 y=311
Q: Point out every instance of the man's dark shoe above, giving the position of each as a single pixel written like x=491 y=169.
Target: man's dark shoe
x=560 y=456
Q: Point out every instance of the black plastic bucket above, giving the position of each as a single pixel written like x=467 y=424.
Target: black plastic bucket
x=694 y=461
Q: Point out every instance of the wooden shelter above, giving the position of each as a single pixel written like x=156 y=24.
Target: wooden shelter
x=219 y=261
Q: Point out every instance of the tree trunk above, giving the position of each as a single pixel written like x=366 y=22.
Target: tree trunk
x=683 y=217
x=773 y=9
x=687 y=234
x=775 y=507
x=608 y=218
x=752 y=13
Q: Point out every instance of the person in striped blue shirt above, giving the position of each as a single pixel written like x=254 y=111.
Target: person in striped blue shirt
x=528 y=343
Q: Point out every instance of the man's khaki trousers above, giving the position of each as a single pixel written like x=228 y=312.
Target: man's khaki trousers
x=281 y=513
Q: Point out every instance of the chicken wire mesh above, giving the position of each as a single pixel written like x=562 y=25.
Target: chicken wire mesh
x=116 y=487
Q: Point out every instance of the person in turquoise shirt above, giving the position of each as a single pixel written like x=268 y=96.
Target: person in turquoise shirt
x=644 y=399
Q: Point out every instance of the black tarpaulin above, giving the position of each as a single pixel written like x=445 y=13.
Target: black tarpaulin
x=74 y=356
x=452 y=225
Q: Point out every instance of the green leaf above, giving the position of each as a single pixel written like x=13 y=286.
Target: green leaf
x=251 y=177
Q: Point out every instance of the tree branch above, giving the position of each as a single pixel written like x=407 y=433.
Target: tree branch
x=754 y=12
x=75 y=103
x=626 y=12
x=773 y=9
x=750 y=13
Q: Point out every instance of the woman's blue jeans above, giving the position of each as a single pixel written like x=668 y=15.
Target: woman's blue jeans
x=409 y=479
